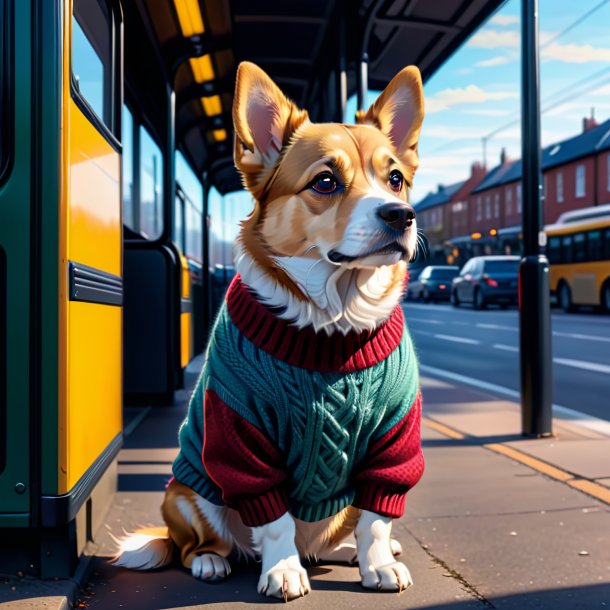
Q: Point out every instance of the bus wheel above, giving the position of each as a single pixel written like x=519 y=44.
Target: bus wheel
x=565 y=298
x=605 y=296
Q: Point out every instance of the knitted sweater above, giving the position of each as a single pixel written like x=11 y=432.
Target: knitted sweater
x=301 y=421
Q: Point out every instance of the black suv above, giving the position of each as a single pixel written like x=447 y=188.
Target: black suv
x=487 y=279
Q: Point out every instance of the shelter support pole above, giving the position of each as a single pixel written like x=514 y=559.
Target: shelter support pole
x=205 y=261
x=362 y=81
x=534 y=288
x=341 y=68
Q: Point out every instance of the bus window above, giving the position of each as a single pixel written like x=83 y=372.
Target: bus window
x=127 y=160
x=4 y=87
x=594 y=240
x=92 y=57
x=580 y=248
x=567 y=251
x=554 y=250
x=606 y=245
x=151 y=189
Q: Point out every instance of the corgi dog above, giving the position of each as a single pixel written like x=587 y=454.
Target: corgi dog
x=303 y=433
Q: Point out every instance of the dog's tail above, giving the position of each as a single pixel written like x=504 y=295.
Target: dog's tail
x=145 y=550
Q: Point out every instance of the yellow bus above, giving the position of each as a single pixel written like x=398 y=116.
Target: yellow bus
x=579 y=256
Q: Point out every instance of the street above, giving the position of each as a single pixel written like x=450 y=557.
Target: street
x=483 y=347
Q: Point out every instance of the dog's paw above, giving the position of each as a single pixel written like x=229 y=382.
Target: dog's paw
x=210 y=567
x=286 y=580
x=396 y=547
x=391 y=577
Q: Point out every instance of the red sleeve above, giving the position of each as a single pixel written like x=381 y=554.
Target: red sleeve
x=244 y=463
x=393 y=464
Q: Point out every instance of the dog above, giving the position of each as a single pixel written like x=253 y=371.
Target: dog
x=303 y=432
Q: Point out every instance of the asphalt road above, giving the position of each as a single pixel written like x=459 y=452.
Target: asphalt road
x=483 y=346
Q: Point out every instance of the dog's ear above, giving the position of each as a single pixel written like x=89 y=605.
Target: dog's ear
x=398 y=112
x=264 y=119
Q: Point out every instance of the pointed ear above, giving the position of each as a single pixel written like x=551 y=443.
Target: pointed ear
x=398 y=112
x=264 y=119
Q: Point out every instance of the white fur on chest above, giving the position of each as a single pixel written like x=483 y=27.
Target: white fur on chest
x=338 y=298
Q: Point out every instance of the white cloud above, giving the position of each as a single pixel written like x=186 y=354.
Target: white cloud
x=464 y=95
x=504 y=20
x=492 y=39
x=499 y=60
x=487 y=112
x=576 y=53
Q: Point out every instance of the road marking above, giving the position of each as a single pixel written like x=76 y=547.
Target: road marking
x=580 y=336
x=530 y=461
x=426 y=333
x=506 y=348
x=424 y=320
x=446 y=430
x=457 y=339
x=601 y=426
x=460 y=323
x=593 y=489
x=497 y=327
x=581 y=364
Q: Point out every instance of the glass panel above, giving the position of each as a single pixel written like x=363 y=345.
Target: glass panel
x=92 y=55
x=127 y=160
x=607 y=245
x=4 y=72
x=502 y=266
x=179 y=222
x=567 y=250
x=151 y=189
x=594 y=239
x=444 y=274
x=554 y=250
x=194 y=243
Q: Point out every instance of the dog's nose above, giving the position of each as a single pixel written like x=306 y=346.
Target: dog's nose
x=397 y=216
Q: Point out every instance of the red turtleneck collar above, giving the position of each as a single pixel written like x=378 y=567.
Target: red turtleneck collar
x=304 y=347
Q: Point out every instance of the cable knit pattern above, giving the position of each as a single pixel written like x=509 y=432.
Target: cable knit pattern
x=321 y=422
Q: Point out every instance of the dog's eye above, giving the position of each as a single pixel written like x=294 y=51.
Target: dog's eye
x=396 y=181
x=324 y=183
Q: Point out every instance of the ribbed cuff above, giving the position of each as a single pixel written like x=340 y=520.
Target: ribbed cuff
x=259 y=510
x=380 y=498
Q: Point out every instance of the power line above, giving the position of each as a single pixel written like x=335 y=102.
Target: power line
x=575 y=23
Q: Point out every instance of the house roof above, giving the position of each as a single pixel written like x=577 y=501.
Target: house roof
x=559 y=153
x=441 y=196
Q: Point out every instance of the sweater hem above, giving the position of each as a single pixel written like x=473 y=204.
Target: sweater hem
x=380 y=498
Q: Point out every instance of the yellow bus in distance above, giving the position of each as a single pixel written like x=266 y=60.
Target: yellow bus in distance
x=579 y=255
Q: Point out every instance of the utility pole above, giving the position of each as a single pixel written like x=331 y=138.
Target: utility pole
x=534 y=289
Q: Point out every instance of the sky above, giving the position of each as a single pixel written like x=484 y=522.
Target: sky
x=476 y=95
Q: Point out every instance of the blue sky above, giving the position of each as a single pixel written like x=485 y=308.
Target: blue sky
x=477 y=92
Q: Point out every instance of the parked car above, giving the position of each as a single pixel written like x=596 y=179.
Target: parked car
x=433 y=283
x=487 y=279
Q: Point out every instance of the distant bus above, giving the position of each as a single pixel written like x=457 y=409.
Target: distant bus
x=579 y=255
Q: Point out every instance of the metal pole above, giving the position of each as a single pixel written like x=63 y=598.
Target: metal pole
x=534 y=290
x=342 y=69
x=205 y=261
x=363 y=81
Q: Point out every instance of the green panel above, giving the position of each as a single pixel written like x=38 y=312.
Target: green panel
x=15 y=241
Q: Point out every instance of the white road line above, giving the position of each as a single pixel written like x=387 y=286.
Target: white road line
x=582 y=364
x=460 y=323
x=424 y=320
x=457 y=339
x=583 y=419
x=497 y=327
x=506 y=348
x=416 y=331
x=580 y=336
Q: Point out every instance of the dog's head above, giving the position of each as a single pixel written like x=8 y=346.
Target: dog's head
x=327 y=191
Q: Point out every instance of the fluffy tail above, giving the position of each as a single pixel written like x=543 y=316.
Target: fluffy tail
x=144 y=551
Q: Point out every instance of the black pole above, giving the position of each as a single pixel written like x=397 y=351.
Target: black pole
x=205 y=261
x=534 y=289
x=341 y=68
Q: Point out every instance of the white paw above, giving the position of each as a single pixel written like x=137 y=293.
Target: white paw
x=210 y=567
x=286 y=580
x=390 y=577
x=396 y=547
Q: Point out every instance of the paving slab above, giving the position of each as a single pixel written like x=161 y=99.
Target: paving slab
x=585 y=458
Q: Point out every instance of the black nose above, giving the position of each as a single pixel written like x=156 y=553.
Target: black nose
x=397 y=216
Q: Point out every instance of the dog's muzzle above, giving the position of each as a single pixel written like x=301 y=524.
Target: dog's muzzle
x=396 y=216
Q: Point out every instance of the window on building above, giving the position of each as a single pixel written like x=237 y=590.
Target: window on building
x=497 y=205
x=479 y=208
x=509 y=201
x=559 y=185
x=151 y=189
x=487 y=207
x=519 y=199
x=127 y=159
x=92 y=57
x=580 y=181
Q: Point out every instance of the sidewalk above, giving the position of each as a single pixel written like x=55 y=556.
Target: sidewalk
x=496 y=522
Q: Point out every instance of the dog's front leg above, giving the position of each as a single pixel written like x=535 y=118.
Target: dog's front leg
x=282 y=574
x=378 y=567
